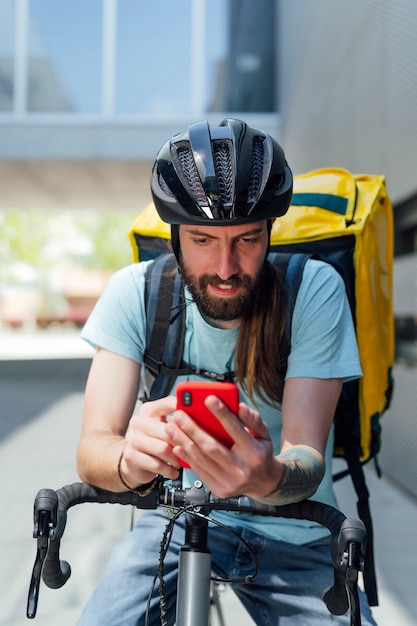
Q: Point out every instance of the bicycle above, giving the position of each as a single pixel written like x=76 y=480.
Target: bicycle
x=195 y=596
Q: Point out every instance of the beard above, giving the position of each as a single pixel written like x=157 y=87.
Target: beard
x=218 y=308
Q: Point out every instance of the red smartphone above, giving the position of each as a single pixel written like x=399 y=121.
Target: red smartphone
x=190 y=398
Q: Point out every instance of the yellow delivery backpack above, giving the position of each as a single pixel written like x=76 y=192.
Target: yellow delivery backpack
x=345 y=220
x=348 y=221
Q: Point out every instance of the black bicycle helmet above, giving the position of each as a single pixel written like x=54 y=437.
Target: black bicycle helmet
x=227 y=174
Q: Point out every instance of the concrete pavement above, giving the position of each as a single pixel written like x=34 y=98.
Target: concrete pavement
x=40 y=451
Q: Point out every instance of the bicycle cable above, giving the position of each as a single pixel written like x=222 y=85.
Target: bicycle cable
x=164 y=545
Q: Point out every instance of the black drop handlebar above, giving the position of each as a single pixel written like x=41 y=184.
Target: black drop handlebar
x=348 y=536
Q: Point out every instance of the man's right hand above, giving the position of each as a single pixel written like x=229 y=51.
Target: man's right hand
x=147 y=449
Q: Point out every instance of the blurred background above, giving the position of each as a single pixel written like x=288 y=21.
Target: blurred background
x=89 y=91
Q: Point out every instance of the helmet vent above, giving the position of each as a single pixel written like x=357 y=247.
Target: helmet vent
x=167 y=191
x=258 y=173
x=224 y=172
x=190 y=174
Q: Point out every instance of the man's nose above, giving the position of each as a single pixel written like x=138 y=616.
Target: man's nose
x=226 y=263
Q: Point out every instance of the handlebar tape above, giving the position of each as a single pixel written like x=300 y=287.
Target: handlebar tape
x=335 y=598
x=55 y=573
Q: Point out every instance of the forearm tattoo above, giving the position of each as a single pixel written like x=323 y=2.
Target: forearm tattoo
x=302 y=474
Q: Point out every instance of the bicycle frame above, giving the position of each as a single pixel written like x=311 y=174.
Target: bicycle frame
x=348 y=538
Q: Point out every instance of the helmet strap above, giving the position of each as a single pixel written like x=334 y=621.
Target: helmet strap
x=175 y=241
x=269 y=225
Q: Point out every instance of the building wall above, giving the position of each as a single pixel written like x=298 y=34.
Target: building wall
x=349 y=85
x=345 y=81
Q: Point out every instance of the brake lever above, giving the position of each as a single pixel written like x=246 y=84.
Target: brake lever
x=42 y=529
x=45 y=519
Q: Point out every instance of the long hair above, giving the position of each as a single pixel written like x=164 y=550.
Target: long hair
x=261 y=350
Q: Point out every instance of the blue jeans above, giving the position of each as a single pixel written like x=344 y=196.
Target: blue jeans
x=287 y=590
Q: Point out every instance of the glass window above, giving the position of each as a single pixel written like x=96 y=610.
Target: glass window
x=65 y=49
x=6 y=55
x=240 y=56
x=153 y=57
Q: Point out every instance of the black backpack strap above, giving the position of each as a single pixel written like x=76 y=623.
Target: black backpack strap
x=355 y=467
x=291 y=264
x=165 y=324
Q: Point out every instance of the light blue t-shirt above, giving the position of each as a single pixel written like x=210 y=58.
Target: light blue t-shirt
x=323 y=345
